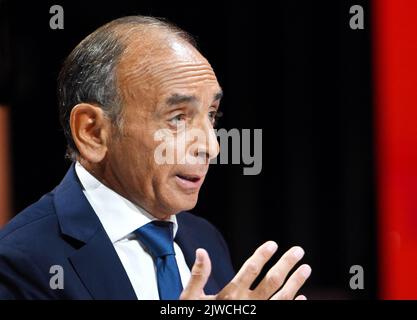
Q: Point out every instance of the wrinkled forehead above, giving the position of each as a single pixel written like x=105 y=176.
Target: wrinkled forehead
x=161 y=64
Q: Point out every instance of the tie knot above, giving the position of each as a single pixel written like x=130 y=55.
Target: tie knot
x=157 y=237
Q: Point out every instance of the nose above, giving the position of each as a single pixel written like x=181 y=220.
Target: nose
x=206 y=146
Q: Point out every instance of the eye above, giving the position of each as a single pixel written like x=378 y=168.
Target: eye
x=214 y=117
x=177 y=120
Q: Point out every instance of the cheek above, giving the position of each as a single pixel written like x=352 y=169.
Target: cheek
x=179 y=146
x=169 y=149
x=130 y=157
x=157 y=172
x=163 y=168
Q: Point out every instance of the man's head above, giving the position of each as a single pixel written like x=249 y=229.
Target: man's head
x=132 y=80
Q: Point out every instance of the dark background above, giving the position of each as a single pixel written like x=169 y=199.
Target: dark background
x=292 y=68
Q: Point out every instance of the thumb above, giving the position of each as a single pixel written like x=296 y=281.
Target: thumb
x=199 y=275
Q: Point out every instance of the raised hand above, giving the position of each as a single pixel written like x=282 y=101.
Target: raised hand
x=273 y=286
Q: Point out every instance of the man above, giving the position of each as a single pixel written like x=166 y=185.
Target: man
x=116 y=226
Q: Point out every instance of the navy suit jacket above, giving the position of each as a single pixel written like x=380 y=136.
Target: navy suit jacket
x=62 y=229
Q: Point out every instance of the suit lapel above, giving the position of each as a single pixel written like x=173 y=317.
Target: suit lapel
x=189 y=245
x=96 y=261
x=100 y=269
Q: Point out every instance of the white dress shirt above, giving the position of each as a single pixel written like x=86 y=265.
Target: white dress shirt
x=120 y=218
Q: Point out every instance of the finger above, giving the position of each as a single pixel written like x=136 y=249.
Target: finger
x=294 y=283
x=276 y=276
x=301 y=297
x=253 y=266
x=200 y=273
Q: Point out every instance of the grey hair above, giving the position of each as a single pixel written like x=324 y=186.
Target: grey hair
x=89 y=73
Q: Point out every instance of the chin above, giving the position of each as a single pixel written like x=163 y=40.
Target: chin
x=185 y=203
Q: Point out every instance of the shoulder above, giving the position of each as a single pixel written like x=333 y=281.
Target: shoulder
x=26 y=241
x=35 y=220
x=34 y=234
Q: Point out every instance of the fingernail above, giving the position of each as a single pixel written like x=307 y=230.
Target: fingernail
x=306 y=271
x=272 y=246
x=198 y=256
x=298 y=252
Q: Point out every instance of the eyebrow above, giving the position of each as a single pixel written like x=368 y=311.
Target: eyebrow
x=181 y=98
x=218 y=95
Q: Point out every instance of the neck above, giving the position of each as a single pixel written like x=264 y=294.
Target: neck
x=102 y=173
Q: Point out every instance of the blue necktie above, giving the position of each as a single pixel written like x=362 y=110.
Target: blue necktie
x=157 y=237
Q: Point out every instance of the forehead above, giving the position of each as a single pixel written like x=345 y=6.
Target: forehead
x=164 y=67
x=185 y=77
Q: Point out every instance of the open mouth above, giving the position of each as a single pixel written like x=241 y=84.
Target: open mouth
x=190 y=183
x=191 y=178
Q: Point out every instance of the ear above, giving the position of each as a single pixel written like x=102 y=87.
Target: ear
x=90 y=131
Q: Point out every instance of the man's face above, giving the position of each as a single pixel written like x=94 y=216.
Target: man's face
x=170 y=102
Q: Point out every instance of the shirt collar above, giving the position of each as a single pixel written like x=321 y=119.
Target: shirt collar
x=119 y=216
